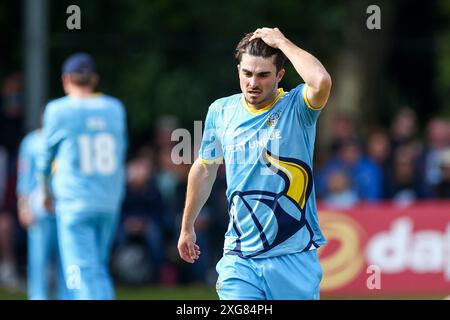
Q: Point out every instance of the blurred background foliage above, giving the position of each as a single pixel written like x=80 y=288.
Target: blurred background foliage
x=175 y=57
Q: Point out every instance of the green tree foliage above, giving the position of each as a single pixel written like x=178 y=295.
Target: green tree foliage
x=443 y=57
x=176 y=56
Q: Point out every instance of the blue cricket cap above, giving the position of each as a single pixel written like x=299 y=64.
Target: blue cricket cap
x=79 y=63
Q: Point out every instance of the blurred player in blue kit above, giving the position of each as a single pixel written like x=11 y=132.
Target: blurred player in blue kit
x=40 y=225
x=87 y=135
x=266 y=138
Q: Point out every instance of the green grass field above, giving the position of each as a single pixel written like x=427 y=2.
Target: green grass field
x=208 y=293
x=167 y=293
x=141 y=293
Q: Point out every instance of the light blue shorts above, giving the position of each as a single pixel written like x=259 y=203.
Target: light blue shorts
x=288 y=277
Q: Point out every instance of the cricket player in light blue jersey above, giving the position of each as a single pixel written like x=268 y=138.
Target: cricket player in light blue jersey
x=266 y=138
x=86 y=133
x=40 y=225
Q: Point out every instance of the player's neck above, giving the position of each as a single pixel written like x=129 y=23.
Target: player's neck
x=80 y=92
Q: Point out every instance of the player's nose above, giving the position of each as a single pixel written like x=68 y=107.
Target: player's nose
x=252 y=82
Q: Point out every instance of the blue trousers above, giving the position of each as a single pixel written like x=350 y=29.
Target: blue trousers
x=42 y=253
x=85 y=240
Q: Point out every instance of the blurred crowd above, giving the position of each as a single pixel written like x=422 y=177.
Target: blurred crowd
x=393 y=163
x=397 y=162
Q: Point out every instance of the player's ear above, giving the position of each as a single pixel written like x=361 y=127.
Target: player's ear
x=280 y=74
x=94 y=80
x=238 y=67
x=65 y=82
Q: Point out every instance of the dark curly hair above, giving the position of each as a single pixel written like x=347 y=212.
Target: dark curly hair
x=259 y=48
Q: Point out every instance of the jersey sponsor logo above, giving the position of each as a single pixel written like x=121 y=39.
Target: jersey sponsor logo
x=252 y=144
x=262 y=137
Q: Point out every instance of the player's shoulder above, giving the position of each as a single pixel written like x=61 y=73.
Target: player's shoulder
x=294 y=97
x=31 y=137
x=112 y=101
x=109 y=98
x=226 y=102
x=35 y=134
x=57 y=103
x=57 y=106
x=294 y=91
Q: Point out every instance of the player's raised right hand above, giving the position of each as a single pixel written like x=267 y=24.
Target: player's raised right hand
x=187 y=248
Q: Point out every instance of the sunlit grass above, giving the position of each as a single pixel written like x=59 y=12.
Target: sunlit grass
x=200 y=292
x=141 y=293
x=167 y=293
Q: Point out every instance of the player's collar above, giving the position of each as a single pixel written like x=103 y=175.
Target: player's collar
x=264 y=109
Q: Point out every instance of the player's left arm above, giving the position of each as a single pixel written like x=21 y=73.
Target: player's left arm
x=314 y=74
x=52 y=137
x=24 y=176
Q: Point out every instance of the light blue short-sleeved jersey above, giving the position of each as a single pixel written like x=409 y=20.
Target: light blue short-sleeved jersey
x=268 y=156
x=88 y=138
x=27 y=180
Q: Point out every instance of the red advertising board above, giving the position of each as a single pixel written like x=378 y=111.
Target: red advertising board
x=386 y=248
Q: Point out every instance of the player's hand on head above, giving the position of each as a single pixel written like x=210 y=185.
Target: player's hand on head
x=271 y=36
x=187 y=248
